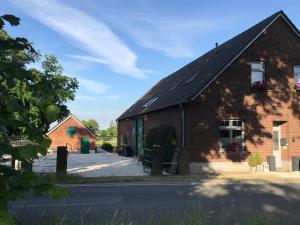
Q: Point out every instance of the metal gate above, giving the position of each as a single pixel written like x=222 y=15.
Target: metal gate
x=167 y=161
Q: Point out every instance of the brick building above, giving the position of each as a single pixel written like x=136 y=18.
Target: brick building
x=244 y=92
x=71 y=132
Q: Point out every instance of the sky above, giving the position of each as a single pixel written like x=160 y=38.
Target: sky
x=119 y=49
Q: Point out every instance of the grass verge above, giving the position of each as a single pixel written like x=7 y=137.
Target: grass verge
x=73 y=179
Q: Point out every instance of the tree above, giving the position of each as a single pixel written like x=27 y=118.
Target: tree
x=111 y=131
x=92 y=125
x=29 y=101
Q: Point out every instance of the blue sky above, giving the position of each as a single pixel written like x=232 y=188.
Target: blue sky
x=118 y=49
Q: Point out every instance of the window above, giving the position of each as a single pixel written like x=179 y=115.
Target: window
x=297 y=76
x=175 y=85
x=150 y=102
x=192 y=78
x=257 y=72
x=230 y=131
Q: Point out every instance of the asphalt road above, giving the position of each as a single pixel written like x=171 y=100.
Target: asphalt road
x=221 y=202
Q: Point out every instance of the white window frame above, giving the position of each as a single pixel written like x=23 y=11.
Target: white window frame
x=257 y=67
x=230 y=128
x=296 y=74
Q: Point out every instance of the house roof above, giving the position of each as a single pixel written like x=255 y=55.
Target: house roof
x=187 y=83
x=75 y=118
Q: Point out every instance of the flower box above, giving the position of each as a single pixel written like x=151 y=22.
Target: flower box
x=259 y=84
x=297 y=87
x=233 y=147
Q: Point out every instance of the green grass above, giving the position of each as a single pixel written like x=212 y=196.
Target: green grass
x=73 y=179
x=193 y=216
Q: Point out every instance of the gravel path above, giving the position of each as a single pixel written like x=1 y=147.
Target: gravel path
x=93 y=165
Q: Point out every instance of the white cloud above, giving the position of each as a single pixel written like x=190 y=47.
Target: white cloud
x=91 y=35
x=87 y=58
x=93 y=86
x=114 y=97
x=171 y=35
x=86 y=97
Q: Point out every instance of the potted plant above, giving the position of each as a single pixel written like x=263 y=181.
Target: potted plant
x=297 y=87
x=261 y=84
x=233 y=147
x=255 y=160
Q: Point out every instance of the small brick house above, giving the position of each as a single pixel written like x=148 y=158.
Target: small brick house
x=71 y=132
x=240 y=98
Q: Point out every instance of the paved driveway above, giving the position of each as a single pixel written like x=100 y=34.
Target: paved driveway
x=93 y=165
x=222 y=202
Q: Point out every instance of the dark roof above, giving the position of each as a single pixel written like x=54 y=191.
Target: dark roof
x=189 y=81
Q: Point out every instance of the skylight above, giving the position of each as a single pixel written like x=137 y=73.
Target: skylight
x=192 y=78
x=150 y=102
x=175 y=85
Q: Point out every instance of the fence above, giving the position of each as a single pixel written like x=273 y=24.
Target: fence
x=110 y=139
x=161 y=162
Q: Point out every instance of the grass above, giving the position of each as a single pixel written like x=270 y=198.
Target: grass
x=193 y=216
x=73 y=179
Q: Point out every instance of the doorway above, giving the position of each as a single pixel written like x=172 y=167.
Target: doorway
x=138 y=136
x=276 y=143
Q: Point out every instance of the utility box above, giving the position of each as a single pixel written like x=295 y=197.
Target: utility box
x=61 y=159
x=296 y=163
x=271 y=163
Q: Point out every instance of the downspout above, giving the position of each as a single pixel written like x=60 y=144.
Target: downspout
x=182 y=124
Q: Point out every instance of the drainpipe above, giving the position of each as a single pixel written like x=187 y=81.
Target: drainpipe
x=182 y=125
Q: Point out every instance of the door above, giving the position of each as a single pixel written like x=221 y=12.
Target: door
x=85 y=146
x=140 y=136
x=276 y=144
x=134 y=136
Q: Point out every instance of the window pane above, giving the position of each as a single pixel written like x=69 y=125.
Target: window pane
x=296 y=69
x=237 y=123
x=224 y=123
x=297 y=79
x=236 y=133
x=224 y=133
x=256 y=76
x=257 y=66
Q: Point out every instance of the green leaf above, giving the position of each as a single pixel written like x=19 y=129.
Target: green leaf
x=45 y=143
x=58 y=192
x=52 y=112
x=27 y=151
x=5 y=218
x=13 y=20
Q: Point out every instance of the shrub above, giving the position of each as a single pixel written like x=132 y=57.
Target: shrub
x=255 y=160
x=107 y=147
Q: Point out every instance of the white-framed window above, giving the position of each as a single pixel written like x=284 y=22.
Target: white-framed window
x=257 y=72
x=231 y=131
x=297 y=76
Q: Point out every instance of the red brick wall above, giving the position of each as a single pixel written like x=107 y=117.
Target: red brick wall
x=59 y=136
x=230 y=97
x=170 y=116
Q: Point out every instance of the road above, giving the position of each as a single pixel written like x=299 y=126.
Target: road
x=220 y=201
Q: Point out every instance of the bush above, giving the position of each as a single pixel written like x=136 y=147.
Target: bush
x=255 y=160
x=107 y=147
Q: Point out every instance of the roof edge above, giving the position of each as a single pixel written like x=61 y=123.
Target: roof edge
x=280 y=14
x=68 y=117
